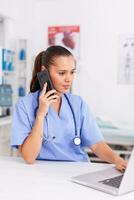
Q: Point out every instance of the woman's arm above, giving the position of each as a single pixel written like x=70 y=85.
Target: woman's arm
x=103 y=151
x=32 y=145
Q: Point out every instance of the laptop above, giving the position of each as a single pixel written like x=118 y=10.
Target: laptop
x=110 y=180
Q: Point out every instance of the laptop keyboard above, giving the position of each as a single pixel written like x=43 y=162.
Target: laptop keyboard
x=114 y=182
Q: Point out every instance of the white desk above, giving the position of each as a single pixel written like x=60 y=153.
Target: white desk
x=47 y=181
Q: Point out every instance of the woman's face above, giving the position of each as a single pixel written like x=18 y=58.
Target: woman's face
x=62 y=73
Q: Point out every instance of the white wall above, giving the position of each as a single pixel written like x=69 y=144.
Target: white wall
x=16 y=13
x=105 y=95
x=101 y=21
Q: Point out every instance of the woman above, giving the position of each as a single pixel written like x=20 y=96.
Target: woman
x=55 y=124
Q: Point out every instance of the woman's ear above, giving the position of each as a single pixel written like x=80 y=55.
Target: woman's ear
x=43 y=68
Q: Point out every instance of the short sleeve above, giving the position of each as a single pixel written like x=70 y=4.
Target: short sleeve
x=20 y=125
x=90 y=132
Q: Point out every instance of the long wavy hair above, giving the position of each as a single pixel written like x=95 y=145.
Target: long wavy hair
x=46 y=58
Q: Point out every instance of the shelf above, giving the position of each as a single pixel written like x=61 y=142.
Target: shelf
x=22 y=77
x=21 y=66
x=9 y=73
x=22 y=61
x=5 y=121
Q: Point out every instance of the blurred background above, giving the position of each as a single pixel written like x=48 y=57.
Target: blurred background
x=100 y=34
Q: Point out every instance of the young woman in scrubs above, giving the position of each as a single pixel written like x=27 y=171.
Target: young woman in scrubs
x=55 y=124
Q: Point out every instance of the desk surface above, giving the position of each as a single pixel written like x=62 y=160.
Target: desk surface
x=47 y=180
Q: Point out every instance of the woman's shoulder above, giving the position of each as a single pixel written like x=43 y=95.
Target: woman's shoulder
x=75 y=99
x=28 y=99
x=78 y=101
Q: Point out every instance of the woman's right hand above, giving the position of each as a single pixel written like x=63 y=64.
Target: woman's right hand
x=45 y=100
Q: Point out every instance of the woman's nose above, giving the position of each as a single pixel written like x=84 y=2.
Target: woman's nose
x=68 y=78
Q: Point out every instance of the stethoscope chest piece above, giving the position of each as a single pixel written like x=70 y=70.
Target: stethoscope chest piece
x=77 y=141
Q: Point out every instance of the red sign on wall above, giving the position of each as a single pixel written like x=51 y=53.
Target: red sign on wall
x=67 y=36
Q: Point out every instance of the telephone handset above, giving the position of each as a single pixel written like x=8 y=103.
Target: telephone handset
x=43 y=77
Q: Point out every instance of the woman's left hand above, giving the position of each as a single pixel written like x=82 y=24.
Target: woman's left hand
x=120 y=163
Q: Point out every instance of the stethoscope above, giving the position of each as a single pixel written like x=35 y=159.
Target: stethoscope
x=76 y=139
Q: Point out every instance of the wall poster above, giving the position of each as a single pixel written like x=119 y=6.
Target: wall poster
x=126 y=60
x=67 y=36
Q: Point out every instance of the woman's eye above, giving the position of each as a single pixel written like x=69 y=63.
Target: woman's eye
x=61 y=73
x=73 y=72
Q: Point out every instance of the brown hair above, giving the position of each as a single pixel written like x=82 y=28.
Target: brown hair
x=46 y=58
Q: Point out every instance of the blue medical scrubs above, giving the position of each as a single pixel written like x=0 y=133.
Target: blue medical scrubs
x=59 y=128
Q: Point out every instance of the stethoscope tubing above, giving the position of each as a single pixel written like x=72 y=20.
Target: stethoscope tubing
x=74 y=118
x=77 y=137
